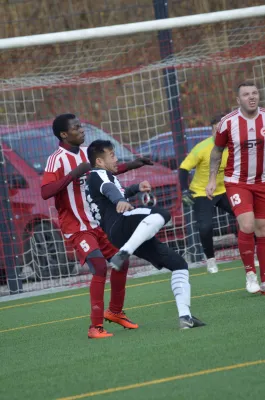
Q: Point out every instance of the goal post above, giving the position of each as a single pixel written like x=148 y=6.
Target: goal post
x=117 y=85
x=133 y=28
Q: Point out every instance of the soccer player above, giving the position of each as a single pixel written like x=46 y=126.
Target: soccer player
x=64 y=179
x=243 y=131
x=131 y=229
x=195 y=196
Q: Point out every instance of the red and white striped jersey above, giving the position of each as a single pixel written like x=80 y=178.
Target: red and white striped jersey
x=245 y=140
x=73 y=210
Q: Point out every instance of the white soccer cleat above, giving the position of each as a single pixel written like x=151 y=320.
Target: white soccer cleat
x=262 y=287
x=212 y=267
x=252 y=284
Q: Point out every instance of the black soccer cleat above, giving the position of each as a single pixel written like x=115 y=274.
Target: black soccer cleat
x=187 y=322
x=119 y=259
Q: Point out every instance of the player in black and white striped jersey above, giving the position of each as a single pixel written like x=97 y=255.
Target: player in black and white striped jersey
x=133 y=230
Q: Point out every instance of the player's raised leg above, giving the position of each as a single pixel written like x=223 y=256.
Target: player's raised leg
x=150 y=222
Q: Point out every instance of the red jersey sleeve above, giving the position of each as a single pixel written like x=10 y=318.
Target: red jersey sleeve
x=48 y=177
x=53 y=170
x=54 y=180
x=222 y=134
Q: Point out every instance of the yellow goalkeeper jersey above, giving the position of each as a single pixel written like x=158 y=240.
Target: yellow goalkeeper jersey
x=199 y=158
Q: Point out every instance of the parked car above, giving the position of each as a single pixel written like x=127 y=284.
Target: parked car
x=161 y=147
x=39 y=241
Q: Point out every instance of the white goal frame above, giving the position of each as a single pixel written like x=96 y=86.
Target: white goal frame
x=129 y=29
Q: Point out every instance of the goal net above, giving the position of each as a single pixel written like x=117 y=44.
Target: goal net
x=122 y=89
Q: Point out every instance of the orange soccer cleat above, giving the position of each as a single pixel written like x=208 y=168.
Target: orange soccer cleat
x=98 y=332
x=120 y=318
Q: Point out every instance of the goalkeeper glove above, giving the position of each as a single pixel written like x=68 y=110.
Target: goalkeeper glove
x=187 y=198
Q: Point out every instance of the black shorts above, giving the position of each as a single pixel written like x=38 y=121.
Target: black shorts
x=152 y=250
x=204 y=212
x=124 y=226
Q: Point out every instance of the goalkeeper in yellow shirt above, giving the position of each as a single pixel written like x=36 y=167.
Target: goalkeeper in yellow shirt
x=194 y=194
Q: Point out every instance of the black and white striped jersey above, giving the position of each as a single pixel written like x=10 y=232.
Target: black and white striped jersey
x=103 y=192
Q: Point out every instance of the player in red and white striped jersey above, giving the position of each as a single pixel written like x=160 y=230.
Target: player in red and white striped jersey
x=64 y=179
x=243 y=132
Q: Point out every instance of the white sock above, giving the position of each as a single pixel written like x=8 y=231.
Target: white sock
x=146 y=229
x=181 y=289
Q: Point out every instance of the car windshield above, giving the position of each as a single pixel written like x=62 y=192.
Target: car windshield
x=36 y=145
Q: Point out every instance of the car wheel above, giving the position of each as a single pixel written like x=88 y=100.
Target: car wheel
x=44 y=251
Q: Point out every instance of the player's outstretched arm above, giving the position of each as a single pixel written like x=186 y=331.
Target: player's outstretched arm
x=132 y=190
x=137 y=163
x=54 y=187
x=215 y=161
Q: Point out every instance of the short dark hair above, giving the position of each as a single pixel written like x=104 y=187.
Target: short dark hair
x=246 y=83
x=96 y=149
x=217 y=118
x=60 y=124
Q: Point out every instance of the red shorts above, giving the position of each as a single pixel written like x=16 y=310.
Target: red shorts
x=247 y=197
x=85 y=242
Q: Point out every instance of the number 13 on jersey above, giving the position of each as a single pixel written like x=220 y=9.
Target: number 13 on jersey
x=235 y=199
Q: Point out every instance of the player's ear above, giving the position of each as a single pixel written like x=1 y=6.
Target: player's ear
x=63 y=135
x=238 y=101
x=99 y=162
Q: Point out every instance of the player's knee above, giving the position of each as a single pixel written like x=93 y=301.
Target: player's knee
x=171 y=260
x=164 y=213
x=178 y=263
x=247 y=226
x=260 y=227
x=260 y=231
x=97 y=263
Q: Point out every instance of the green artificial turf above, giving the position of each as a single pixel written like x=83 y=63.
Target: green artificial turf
x=45 y=353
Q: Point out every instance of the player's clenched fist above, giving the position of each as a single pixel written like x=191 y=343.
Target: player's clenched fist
x=145 y=186
x=123 y=206
x=210 y=189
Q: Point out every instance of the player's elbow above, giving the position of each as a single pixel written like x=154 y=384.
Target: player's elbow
x=45 y=193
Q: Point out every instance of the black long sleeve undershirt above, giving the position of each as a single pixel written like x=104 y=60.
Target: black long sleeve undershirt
x=184 y=179
x=114 y=195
